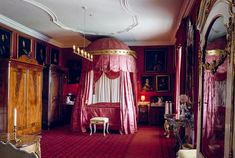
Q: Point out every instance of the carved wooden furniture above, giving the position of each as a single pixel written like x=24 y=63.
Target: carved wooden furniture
x=99 y=120
x=215 y=130
x=21 y=88
x=28 y=145
x=156 y=115
x=54 y=77
x=143 y=112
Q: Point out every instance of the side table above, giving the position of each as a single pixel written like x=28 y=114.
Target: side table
x=143 y=108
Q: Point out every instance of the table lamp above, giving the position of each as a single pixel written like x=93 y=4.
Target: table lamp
x=142 y=98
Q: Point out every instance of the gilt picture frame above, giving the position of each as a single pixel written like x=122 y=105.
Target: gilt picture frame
x=147 y=83
x=55 y=53
x=162 y=83
x=155 y=60
x=41 y=53
x=24 y=46
x=5 y=43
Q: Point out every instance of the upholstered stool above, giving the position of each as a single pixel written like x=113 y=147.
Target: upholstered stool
x=187 y=153
x=99 y=120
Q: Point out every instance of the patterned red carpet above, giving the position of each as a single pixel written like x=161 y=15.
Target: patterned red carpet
x=148 y=142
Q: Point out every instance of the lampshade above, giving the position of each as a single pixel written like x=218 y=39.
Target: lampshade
x=142 y=98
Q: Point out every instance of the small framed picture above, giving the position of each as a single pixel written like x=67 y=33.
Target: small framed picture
x=155 y=60
x=24 y=46
x=163 y=83
x=147 y=83
x=55 y=53
x=41 y=53
x=5 y=43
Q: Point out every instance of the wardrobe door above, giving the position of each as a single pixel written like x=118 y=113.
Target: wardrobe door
x=34 y=104
x=54 y=96
x=18 y=97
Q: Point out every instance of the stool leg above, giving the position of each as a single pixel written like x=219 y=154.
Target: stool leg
x=94 y=127
x=90 y=129
x=104 y=124
x=107 y=127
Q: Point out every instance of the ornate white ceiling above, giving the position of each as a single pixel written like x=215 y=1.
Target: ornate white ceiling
x=61 y=22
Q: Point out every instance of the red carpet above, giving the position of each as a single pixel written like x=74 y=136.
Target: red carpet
x=148 y=142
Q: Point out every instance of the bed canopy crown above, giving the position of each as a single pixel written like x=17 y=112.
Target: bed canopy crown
x=109 y=46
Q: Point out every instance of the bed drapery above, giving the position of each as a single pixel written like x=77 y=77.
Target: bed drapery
x=113 y=66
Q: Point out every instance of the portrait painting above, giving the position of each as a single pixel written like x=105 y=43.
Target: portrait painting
x=155 y=60
x=147 y=83
x=162 y=83
x=24 y=46
x=55 y=56
x=5 y=43
x=41 y=53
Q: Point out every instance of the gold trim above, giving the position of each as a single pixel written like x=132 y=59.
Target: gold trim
x=214 y=52
x=114 y=52
x=213 y=66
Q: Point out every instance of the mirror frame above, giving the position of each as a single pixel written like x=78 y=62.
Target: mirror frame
x=208 y=12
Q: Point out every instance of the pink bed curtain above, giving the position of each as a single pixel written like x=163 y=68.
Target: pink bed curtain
x=214 y=110
x=79 y=112
x=113 y=66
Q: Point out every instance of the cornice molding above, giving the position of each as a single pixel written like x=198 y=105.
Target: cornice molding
x=56 y=21
x=21 y=28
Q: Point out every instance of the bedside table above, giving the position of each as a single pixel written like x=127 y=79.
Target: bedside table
x=143 y=108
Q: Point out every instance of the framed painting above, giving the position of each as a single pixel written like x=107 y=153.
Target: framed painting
x=147 y=83
x=55 y=53
x=40 y=53
x=155 y=60
x=163 y=83
x=24 y=46
x=5 y=43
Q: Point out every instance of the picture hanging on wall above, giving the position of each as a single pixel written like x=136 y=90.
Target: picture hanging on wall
x=55 y=53
x=5 y=43
x=147 y=83
x=24 y=46
x=163 y=83
x=41 y=53
x=155 y=60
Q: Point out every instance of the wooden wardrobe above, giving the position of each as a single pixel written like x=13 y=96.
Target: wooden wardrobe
x=21 y=88
x=54 y=78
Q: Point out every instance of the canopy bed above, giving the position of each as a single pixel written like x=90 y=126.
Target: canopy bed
x=215 y=137
x=108 y=87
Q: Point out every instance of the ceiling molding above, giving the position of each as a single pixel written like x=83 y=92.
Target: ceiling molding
x=135 y=18
x=56 y=21
x=52 y=15
x=147 y=43
x=184 y=12
x=21 y=28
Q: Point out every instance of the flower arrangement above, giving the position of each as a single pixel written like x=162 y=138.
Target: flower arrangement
x=186 y=109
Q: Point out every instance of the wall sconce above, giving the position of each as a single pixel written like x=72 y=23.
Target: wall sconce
x=142 y=98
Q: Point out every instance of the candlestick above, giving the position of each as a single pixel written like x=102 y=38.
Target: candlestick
x=15 y=117
x=15 y=139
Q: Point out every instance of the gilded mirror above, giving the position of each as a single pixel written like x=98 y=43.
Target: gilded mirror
x=213 y=107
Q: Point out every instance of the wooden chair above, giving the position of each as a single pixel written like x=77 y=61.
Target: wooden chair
x=8 y=150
